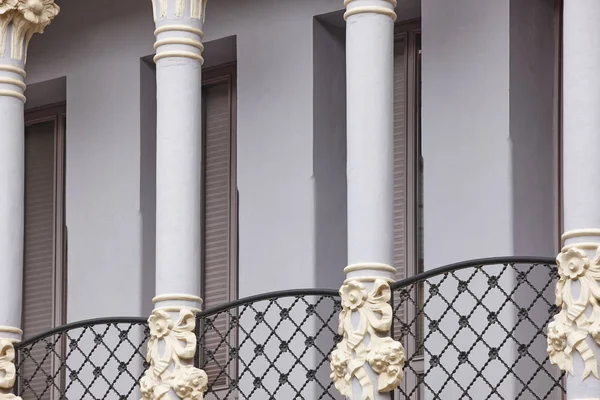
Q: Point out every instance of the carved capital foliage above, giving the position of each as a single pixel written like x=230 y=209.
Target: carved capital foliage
x=8 y=373
x=26 y=18
x=194 y=9
x=367 y=342
x=579 y=317
x=171 y=351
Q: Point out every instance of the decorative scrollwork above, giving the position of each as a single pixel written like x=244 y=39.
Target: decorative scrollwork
x=172 y=370
x=368 y=342
x=8 y=374
x=568 y=332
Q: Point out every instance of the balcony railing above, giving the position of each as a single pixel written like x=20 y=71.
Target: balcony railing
x=473 y=330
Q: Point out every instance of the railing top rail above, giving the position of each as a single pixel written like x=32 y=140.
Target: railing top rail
x=83 y=324
x=475 y=263
x=269 y=296
x=299 y=292
x=208 y=312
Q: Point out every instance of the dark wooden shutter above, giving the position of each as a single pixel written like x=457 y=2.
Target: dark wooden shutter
x=40 y=244
x=218 y=192
x=400 y=175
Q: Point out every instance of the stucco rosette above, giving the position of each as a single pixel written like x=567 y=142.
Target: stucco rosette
x=7 y=5
x=38 y=12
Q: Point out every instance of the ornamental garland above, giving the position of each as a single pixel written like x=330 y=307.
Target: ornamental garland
x=384 y=355
x=568 y=332
x=171 y=369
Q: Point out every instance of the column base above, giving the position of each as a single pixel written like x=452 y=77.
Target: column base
x=172 y=349
x=8 y=372
x=367 y=353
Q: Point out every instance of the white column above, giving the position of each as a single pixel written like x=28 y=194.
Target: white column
x=366 y=316
x=574 y=335
x=179 y=62
x=19 y=20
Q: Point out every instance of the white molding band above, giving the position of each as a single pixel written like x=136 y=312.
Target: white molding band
x=12 y=81
x=370 y=10
x=182 y=41
x=369 y=266
x=178 y=28
x=392 y=2
x=10 y=329
x=577 y=233
x=177 y=297
x=14 y=69
x=178 y=54
x=13 y=93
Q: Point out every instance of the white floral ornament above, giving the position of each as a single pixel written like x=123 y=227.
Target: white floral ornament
x=172 y=370
x=38 y=12
x=7 y=5
x=8 y=373
x=382 y=353
x=571 y=327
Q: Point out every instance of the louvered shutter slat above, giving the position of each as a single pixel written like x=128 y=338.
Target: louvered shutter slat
x=38 y=273
x=217 y=223
x=400 y=173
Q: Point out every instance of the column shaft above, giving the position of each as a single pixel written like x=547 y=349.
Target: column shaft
x=12 y=174
x=172 y=346
x=574 y=335
x=370 y=133
x=19 y=20
x=368 y=364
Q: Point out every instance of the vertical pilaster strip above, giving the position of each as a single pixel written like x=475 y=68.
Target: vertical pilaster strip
x=368 y=363
x=19 y=20
x=574 y=334
x=179 y=62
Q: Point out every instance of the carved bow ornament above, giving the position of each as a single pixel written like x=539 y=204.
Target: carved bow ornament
x=579 y=317
x=381 y=352
x=172 y=370
x=8 y=373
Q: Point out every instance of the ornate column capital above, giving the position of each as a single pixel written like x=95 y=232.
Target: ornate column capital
x=19 y=20
x=26 y=17
x=576 y=328
x=179 y=9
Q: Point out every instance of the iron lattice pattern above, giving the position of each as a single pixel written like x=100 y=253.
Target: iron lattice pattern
x=478 y=332
x=91 y=360
x=273 y=347
x=471 y=331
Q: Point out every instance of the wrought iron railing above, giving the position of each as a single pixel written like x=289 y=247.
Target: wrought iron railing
x=476 y=330
x=473 y=330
